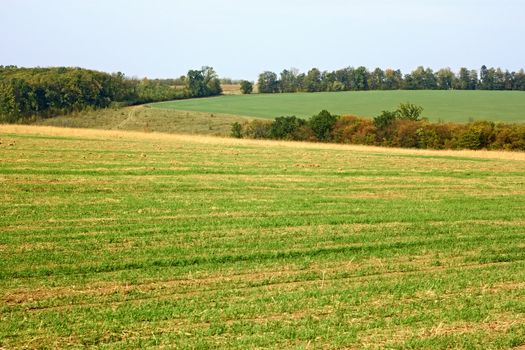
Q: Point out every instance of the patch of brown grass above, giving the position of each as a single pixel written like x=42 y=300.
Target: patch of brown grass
x=211 y=140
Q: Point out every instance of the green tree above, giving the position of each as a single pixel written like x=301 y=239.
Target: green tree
x=268 y=82
x=376 y=79
x=360 y=78
x=464 y=79
x=212 y=81
x=409 y=111
x=312 y=81
x=446 y=79
x=246 y=87
x=393 y=79
x=203 y=82
x=195 y=83
x=288 y=80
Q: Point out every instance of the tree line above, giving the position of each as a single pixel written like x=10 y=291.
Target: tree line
x=360 y=78
x=46 y=92
x=403 y=127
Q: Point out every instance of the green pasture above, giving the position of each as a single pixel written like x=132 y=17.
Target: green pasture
x=113 y=240
x=453 y=106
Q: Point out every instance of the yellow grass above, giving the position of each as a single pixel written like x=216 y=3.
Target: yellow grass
x=155 y=136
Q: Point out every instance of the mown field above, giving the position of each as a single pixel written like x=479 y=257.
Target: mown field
x=135 y=240
x=453 y=106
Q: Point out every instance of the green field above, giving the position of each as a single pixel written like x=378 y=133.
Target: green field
x=455 y=106
x=128 y=240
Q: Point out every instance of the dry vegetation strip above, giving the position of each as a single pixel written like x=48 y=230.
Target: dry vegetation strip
x=134 y=240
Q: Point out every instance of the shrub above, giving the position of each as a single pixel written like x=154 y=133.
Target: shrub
x=285 y=127
x=388 y=130
x=385 y=119
x=409 y=111
x=405 y=133
x=350 y=129
x=257 y=129
x=322 y=125
x=236 y=130
x=478 y=135
x=509 y=137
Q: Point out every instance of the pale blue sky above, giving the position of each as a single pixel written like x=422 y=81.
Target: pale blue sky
x=161 y=38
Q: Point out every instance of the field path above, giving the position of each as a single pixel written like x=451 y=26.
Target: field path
x=131 y=116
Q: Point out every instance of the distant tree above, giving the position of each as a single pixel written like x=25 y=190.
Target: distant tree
x=360 y=78
x=212 y=81
x=446 y=79
x=474 y=81
x=393 y=79
x=464 y=80
x=486 y=78
x=376 y=79
x=195 y=83
x=498 y=82
x=341 y=76
x=519 y=80
x=203 y=82
x=509 y=80
x=246 y=87
x=328 y=82
x=268 y=82
x=312 y=81
x=289 y=80
x=420 y=79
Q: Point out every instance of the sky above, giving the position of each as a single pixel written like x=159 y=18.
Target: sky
x=240 y=39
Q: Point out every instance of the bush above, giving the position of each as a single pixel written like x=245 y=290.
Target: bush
x=350 y=129
x=436 y=136
x=257 y=129
x=387 y=129
x=285 y=127
x=236 y=130
x=509 y=137
x=478 y=135
x=405 y=133
x=385 y=119
x=322 y=125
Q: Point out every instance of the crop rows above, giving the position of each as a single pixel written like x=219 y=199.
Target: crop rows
x=120 y=241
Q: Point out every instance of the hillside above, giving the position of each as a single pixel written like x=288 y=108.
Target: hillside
x=146 y=119
x=454 y=105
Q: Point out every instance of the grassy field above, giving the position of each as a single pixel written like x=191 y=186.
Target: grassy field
x=455 y=106
x=136 y=240
x=146 y=119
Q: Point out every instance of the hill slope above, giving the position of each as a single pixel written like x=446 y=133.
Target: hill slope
x=143 y=118
x=457 y=106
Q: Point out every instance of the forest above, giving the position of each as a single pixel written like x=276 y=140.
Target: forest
x=360 y=79
x=46 y=92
